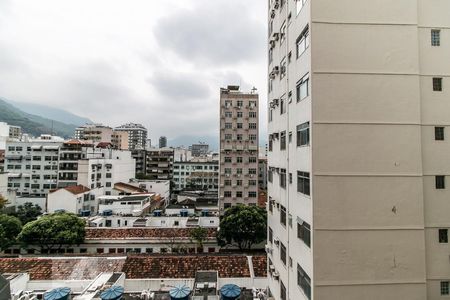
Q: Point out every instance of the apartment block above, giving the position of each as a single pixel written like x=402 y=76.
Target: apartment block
x=32 y=165
x=196 y=175
x=200 y=149
x=159 y=164
x=358 y=121
x=162 y=142
x=8 y=132
x=137 y=135
x=238 y=147
x=94 y=132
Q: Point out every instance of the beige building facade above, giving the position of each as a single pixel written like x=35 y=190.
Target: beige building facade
x=358 y=144
x=239 y=128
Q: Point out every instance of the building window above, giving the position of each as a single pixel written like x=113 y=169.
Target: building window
x=439 y=133
x=283 y=255
x=270 y=143
x=303 y=184
x=435 y=37
x=283 y=68
x=283 y=178
x=282 y=105
x=302 y=88
x=445 y=288
x=228 y=159
x=302 y=42
x=443 y=236
x=283 y=295
x=440 y=182
x=303 y=134
x=270 y=175
x=252 y=194
x=228 y=114
x=283 y=215
x=304 y=232
x=270 y=235
x=283 y=140
x=227 y=194
x=303 y=281
x=283 y=33
x=437 y=84
x=228 y=126
x=240 y=103
x=227 y=205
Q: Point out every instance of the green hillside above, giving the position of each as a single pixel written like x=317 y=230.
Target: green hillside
x=33 y=124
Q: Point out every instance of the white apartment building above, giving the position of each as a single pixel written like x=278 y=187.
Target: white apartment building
x=104 y=168
x=238 y=147
x=76 y=199
x=160 y=187
x=196 y=175
x=8 y=132
x=137 y=135
x=32 y=165
x=358 y=114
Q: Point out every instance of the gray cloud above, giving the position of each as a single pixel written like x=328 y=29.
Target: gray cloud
x=219 y=32
x=173 y=86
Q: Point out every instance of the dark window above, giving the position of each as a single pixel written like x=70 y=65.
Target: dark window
x=445 y=288
x=439 y=133
x=283 y=178
x=440 y=182
x=435 y=37
x=443 y=236
x=270 y=235
x=282 y=291
x=283 y=140
x=304 y=232
x=283 y=215
x=303 y=281
x=283 y=255
x=303 y=185
x=437 y=84
x=303 y=134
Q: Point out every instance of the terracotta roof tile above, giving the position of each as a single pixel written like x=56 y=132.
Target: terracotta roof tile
x=144 y=233
x=260 y=265
x=129 y=187
x=75 y=189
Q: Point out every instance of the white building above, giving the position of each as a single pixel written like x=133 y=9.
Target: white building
x=137 y=135
x=32 y=165
x=104 y=168
x=8 y=132
x=358 y=98
x=132 y=205
x=161 y=187
x=74 y=199
x=197 y=175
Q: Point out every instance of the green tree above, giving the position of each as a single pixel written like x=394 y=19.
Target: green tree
x=28 y=212
x=199 y=235
x=53 y=232
x=3 y=202
x=10 y=227
x=243 y=226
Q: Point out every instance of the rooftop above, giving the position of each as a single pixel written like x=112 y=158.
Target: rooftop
x=75 y=189
x=141 y=233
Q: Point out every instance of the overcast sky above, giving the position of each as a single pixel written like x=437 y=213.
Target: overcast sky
x=156 y=62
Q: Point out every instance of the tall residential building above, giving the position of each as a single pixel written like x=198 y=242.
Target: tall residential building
x=200 y=149
x=162 y=142
x=159 y=164
x=32 y=165
x=358 y=116
x=94 y=132
x=137 y=135
x=120 y=140
x=238 y=147
x=8 y=132
x=196 y=175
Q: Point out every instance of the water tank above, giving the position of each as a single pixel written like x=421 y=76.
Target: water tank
x=180 y=292
x=107 y=212
x=157 y=213
x=205 y=213
x=113 y=293
x=58 y=294
x=184 y=212
x=230 y=292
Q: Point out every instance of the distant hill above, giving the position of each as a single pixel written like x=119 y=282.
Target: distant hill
x=49 y=112
x=33 y=124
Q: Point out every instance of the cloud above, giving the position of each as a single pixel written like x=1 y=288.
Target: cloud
x=175 y=86
x=219 y=32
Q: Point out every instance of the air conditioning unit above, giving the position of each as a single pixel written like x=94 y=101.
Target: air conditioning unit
x=272 y=44
x=272 y=13
x=272 y=268
x=276 y=241
x=268 y=249
x=276 y=36
x=276 y=4
x=276 y=275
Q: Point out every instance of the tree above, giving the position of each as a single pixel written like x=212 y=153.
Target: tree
x=10 y=227
x=199 y=235
x=53 y=231
x=243 y=226
x=3 y=202
x=28 y=212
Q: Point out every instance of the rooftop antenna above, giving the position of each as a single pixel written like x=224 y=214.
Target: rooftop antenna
x=254 y=90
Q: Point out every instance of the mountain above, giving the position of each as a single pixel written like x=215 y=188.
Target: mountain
x=51 y=113
x=33 y=124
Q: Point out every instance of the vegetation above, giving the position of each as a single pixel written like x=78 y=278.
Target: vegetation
x=199 y=235
x=53 y=232
x=10 y=227
x=27 y=212
x=3 y=202
x=243 y=226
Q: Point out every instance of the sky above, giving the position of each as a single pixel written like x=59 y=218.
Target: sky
x=156 y=62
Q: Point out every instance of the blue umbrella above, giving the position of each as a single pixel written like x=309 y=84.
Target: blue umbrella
x=230 y=291
x=114 y=292
x=180 y=292
x=57 y=294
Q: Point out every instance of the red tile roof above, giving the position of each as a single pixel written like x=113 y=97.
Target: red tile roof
x=75 y=189
x=185 y=266
x=77 y=142
x=141 y=233
x=61 y=269
x=135 y=266
x=122 y=185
